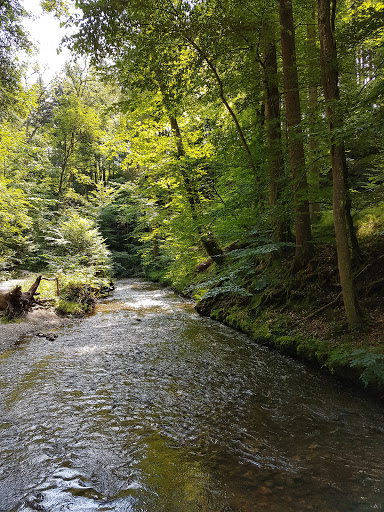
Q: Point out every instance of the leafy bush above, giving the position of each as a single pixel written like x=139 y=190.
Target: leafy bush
x=14 y=224
x=369 y=364
x=370 y=222
x=372 y=365
x=78 y=294
x=76 y=244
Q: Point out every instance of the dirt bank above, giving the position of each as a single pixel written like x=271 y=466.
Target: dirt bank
x=39 y=321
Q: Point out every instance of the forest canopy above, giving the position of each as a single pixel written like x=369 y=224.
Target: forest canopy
x=202 y=142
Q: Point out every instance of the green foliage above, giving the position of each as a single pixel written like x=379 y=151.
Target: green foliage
x=12 y=39
x=370 y=222
x=125 y=264
x=118 y=222
x=14 y=225
x=229 y=288
x=372 y=365
x=369 y=363
x=132 y=173
x=79 y=292
x=77 y=298
x=75 y=244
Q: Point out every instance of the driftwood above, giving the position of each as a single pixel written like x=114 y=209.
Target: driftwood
x=17 y=303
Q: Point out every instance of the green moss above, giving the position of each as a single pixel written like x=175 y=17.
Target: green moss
x=71 y=308
x=238 y=318
x=260 y=329
x=285 y=344
x=307 y=349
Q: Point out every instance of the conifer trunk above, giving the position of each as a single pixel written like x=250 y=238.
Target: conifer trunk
x=295 y=136
x=330 y=78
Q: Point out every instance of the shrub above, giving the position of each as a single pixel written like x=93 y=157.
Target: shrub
x=78 y=297
x=76 y=245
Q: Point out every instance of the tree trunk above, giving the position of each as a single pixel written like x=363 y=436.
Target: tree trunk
x=330 y=77
x=209 y=242
x=67 y=153
x=192 y=195
x=313 y=62
x=155 y=247
x=274 y=156
x=213 y=249
x=16 y=303
x=295 y=136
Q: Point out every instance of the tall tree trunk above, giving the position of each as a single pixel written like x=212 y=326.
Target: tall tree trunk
x=155 y=246
x=313 y=62
x=193 y=198
x=207 y=239
x=295 y=136
x=329 y=68
x=274 y=156
x=209 y=242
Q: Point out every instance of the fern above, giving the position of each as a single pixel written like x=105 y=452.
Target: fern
x=259 y=250
x=369 y=364
x=229 y=288
x=372 y=365
x=339 y=357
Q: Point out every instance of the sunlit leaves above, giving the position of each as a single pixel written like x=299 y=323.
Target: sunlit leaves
x=363 y=25
x=14 y=224
x=76 y=242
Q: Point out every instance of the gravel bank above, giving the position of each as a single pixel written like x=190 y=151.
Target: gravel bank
x=38 y=321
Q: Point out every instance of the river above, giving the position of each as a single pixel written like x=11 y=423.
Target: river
x=147 y=407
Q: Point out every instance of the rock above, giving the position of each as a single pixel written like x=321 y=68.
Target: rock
x=49 y=335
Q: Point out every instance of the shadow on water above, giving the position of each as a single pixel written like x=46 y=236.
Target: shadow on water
x=147 y=407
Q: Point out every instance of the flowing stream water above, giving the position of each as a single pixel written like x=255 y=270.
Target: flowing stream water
x=147 y=407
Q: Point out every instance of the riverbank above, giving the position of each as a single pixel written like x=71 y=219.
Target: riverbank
x=40 y=322
x=303 y=316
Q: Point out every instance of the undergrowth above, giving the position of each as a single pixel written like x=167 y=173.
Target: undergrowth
x=297 y=314
x=77 y=295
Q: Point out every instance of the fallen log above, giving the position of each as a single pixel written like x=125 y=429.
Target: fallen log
x=16 y=303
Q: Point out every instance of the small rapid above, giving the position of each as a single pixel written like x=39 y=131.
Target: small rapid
x=147 y=407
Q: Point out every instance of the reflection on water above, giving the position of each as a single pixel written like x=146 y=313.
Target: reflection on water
x=146 y=407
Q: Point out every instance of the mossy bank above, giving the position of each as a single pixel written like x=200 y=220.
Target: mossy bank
x=302 y=316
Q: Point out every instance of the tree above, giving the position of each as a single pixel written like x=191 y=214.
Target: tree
x=74 y=123
x=12 y=39
x=329 y=66
x=15 y=223
x=295 y=137
x=274 y=155
x=313 y=60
